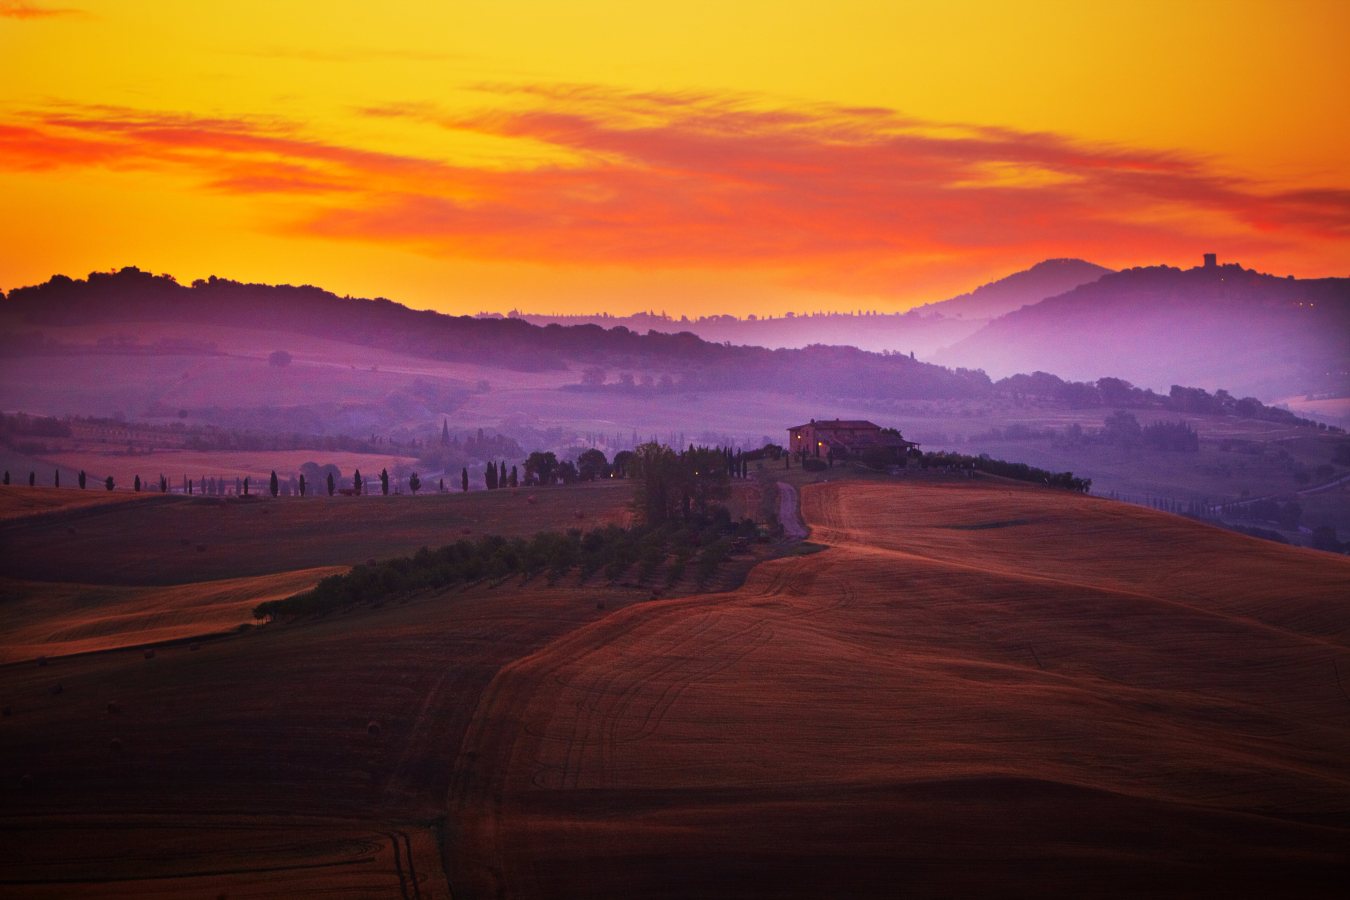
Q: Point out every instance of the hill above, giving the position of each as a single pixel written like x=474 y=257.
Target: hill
x=921 y=331
x=976 y=689
x=1212 y=327
x=1048 y=278
x=131 y=296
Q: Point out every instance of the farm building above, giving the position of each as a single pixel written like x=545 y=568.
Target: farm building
x=845 y=437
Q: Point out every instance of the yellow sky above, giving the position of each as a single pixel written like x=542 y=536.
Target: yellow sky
x=701 y=157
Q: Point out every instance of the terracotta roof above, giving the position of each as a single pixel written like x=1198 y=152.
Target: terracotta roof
x=836 y=423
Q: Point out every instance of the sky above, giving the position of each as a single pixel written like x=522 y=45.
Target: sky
x=693 y=158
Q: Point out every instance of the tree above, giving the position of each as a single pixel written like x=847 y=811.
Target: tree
x=414 y=483
x=136 y=485
x=245 y=485
x=384 y=482
x=591 y=464
x=567 y=472
x=445 y=433
x=442 y=487
x=593 y=376
x=490 y=476
x=331 y=485
x=501 y=475
x=656 y=470
x=273 y=484
x=56 y=478
x=515 y=480
x=1122 y=428
x=623 y=464
x=279 y=358
x=163 y=484
x=356 y=483
x=541 y=467
x=32 y=479
x=81 y=479
x=108 y=483
x=301 y=485
x=464 y=479
x=7 y=476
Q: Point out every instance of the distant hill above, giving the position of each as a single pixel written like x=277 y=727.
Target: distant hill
x=683 y=361
x=1045 y=279
x=1220 y=326
x=921 y=331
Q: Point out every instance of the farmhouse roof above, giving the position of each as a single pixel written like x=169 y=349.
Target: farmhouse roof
x=836 y=423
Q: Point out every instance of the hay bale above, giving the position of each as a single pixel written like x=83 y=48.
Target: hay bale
x=114 y=707
x=194 y=646
x=580 y=514
x=373 y=728
x=599 y=604
x=42 y=660
x=532 y=499
x=116 y=744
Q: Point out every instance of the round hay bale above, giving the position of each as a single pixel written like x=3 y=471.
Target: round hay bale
x=42 y=660
x=373 y=728
x=580 y=514
x=116 y=744
x=466 y=531
x=194 y=646
x=599 y=604
x=532 y=499
x=114 y=707
x=150 y=654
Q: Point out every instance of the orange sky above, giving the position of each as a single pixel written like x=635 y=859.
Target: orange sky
x=695 y=157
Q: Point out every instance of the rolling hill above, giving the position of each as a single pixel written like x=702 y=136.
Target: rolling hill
x=975 y=689
x=1212 y=327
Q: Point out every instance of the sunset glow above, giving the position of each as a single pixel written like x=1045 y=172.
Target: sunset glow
x=746 y=158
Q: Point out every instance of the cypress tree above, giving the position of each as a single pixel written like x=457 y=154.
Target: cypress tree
x=302 y=484
x=32 y=479
x=137 y=484
x=56 y=478
x=81 y=479
x=163 y=484
x=464 y=479
x=490 y=476
x=7 y=476
x=514 y=479
x=273 y=485
x=109 y=483
x=356 y=483
x=331 y=486
x=384 y=482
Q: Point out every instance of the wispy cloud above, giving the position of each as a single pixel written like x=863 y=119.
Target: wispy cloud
x=857 y=199
x=18 y=9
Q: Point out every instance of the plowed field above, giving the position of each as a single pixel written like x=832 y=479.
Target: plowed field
x=974 y=690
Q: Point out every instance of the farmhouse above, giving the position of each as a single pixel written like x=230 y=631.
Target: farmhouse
x=843 y=438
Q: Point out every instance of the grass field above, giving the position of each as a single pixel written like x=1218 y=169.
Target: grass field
x=974 y=689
